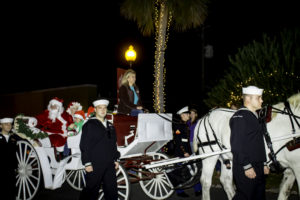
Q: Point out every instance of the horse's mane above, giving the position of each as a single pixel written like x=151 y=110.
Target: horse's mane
x=294 y=103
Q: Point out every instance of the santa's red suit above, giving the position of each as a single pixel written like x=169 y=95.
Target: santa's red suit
x=57 y=130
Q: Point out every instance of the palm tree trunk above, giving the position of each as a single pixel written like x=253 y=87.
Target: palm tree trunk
x=159 y=96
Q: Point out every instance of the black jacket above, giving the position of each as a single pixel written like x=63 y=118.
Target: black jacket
x=126 y=96
x=8 y=152
x=247 y=140
x=98 y=144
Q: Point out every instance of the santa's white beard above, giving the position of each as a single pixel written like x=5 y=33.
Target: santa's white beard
x=53 y=114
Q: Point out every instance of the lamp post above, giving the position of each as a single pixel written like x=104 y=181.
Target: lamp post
x=130 y=55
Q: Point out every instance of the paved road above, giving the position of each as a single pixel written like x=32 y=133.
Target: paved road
x=67 y=193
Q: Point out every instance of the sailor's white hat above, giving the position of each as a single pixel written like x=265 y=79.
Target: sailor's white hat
x=183 y=110
x=6 y=120
x=100 y=102
x=253 y=90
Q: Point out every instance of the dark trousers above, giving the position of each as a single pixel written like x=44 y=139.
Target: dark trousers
x=249 y=189
x=8 y=184
x=94 y=179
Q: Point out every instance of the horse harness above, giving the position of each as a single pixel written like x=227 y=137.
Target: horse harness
x=210 y=143
x=265 y=116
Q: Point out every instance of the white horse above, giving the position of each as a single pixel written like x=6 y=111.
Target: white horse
x=214 y=126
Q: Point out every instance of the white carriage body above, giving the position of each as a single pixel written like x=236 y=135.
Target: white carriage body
x=152 y=133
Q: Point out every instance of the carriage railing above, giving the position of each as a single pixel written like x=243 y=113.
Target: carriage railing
x=172 y=161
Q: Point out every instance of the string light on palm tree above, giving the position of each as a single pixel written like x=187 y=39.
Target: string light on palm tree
x=130 y=55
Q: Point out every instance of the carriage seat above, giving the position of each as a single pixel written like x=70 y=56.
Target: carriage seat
x=125 y=126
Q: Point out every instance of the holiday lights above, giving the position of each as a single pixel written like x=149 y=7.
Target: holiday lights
x=162 y=21
x=252 y=80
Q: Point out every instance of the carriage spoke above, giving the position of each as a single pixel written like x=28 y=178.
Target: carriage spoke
x=121 y=179
x=149 y=182
x=27 y=187
x=165 y=189
x=20 y=150
x=118 y=172
x=35 y=177
x=101 y=195
x=165 y=182
x=29 y=155
x=70 y=173
x=159 y=185
x=76 y=174
x=79 y=179
x=24 y=189
x=20 y=187
x=155 y=188
x=123 y=195
x=152 y=184
x=24 y=153
x=33 y=160
x=32 y=185
x=82 y=174
x=18 y=157
x=122 y=186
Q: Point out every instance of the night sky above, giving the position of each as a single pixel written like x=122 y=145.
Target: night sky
x=50 y=45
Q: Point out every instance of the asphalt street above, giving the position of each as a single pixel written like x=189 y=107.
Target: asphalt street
x=68 y=193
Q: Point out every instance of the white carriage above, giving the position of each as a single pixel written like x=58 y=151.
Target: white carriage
x=139 y=145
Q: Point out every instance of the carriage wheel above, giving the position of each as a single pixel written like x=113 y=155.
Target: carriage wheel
x=157 y=187
x=29 y=171
x=75 y=178
x=123 y=185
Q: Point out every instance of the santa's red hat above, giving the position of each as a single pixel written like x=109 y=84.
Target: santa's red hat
x=75 y=105
x=79 y=114
x=56 y=101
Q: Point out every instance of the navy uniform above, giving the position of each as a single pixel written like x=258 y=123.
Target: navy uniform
x=9 y=164
x=248 y=149
x=98 y=148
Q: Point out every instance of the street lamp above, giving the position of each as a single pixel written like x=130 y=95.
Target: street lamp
x=130 y=55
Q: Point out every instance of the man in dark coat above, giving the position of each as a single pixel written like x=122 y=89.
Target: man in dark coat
x=9 y=164
x=99 y=155
x=248 y=149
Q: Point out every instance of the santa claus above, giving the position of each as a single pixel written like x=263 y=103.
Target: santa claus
x=73 y=107
x=55 y=122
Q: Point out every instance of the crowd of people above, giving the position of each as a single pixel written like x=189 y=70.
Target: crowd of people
x=99 y=138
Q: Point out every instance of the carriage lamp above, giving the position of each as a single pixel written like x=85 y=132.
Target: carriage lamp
x=130 y=55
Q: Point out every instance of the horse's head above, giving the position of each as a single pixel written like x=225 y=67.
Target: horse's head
x=282 y=119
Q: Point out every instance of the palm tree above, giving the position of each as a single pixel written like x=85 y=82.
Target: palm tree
x=155 y=17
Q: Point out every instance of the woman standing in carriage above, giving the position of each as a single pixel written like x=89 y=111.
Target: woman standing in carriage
x=129 y=94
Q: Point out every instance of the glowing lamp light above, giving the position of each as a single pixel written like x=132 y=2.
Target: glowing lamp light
x=130 y=55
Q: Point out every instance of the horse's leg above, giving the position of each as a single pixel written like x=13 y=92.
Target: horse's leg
x=226 y=180
x=208 y=167
x=286 y=184
x=296 y=171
